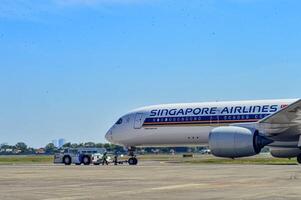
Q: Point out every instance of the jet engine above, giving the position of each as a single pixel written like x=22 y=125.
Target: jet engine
x=234 y=142
x=285 y=152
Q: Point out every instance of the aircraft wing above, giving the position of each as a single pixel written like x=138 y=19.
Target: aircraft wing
x=287 y=120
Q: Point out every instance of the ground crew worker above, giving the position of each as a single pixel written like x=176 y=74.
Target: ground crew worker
x=116 y=159
x=104 y=159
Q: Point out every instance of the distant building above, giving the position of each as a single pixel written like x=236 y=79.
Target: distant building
x=58 y=143
x=40 y=151
x=61 y=142
x=8 y=150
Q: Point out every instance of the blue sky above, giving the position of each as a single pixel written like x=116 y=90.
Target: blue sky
x=70 y=68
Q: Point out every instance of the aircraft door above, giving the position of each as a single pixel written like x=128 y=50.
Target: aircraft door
x=215 y=119
x=138 y=121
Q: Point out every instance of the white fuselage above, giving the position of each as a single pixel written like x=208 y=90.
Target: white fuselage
x=188 y=124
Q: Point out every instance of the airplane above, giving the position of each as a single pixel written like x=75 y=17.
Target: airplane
x=231 y=129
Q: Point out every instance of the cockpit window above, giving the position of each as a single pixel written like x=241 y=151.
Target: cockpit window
x=119 y=121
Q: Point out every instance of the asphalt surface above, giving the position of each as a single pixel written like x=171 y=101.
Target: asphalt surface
x=150 y=180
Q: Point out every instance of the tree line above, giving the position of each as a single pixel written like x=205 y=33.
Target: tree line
x=23 y=149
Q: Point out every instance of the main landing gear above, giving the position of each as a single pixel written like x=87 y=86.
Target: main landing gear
x=132 y=160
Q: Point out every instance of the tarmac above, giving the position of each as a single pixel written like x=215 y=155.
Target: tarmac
x=150 y=180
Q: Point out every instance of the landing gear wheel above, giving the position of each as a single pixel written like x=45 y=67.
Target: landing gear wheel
x=67 y=160
x=86 y=160
x=299 y=159
x=133 y=161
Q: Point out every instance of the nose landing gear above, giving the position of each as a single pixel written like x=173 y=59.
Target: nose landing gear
x=299 y=159
x=132 y=160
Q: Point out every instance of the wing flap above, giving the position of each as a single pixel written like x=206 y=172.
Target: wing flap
x=287 y=120
x=289 y=115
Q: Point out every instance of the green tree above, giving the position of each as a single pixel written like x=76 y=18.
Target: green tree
x=50 y=148
x=89 y=144
x=30 y=150
x=21 y=146
x=6 y=146
x=107 y=146
x=99 y=145
x=74 y=145
x=67 y=145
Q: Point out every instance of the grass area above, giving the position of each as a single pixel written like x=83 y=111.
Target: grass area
x=263 y=159
x=4 y=160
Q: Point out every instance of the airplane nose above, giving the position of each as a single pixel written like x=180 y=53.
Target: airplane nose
x=108 y=136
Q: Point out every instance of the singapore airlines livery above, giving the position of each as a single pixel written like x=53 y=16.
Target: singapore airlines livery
x=231 y=129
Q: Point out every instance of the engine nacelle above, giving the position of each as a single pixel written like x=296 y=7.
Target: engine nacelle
x=234 y=142
x=285 y=152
